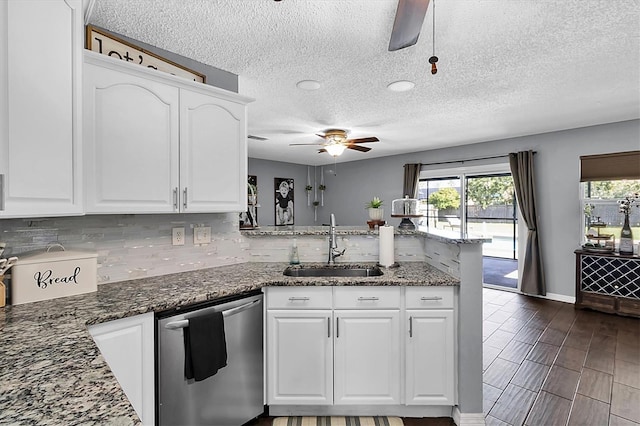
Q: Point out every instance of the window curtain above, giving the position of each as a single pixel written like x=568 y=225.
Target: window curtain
x=411 y=176
x=524 y=181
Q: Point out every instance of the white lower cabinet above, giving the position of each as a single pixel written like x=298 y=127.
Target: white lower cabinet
x=367 y=357
x=300 y=357
x=430 y=358
x=127 y=345
x=430 y=346
x=340 y=349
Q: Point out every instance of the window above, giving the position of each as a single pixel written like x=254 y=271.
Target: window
x=607 y=178
x=600 y=204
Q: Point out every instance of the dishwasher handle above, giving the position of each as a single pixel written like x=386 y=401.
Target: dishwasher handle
x=174 y=325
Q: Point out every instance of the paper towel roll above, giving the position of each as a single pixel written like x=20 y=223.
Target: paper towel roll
x=386 y=246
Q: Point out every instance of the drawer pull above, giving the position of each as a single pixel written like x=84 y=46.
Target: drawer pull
x=368 y=299
x=427 y=298
x=298 y=299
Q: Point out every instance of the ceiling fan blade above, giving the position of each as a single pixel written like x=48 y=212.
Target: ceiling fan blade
x=321 y=136
x=363 y=140
x=408 y=23
x=320 y=151
x=359 y=148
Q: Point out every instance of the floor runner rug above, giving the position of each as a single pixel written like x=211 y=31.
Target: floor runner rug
x=338 y=421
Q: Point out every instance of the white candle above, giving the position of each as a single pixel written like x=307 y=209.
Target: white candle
x=386 y=246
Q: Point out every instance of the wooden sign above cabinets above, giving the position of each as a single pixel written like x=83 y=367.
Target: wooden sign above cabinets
x=110 y=45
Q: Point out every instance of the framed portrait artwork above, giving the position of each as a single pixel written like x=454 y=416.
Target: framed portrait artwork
x=283 y=201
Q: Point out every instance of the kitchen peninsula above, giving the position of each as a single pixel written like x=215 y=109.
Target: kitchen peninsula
x=52 y=370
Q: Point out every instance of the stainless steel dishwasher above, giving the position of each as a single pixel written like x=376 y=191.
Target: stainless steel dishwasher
x=234 y=395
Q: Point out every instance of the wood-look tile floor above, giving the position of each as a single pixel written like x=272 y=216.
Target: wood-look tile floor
x=546 y=363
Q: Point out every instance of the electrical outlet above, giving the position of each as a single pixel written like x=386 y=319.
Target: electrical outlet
x=177 y=236
x=202 y=235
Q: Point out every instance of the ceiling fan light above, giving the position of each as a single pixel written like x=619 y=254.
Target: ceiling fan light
x=335 y=149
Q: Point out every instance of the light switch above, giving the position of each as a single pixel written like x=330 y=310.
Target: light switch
x=202 y=235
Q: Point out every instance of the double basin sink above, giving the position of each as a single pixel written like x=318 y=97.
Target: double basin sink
x=343 y=270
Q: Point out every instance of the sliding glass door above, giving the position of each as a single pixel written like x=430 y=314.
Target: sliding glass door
x=491 y=213
x=476 y=206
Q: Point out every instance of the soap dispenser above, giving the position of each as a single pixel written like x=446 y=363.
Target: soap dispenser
x=295 y=259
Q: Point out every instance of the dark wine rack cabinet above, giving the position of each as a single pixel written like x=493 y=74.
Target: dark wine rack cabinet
x=608 y=282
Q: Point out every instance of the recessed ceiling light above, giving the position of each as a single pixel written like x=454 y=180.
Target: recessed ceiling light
x=308 y=85
x=401 y=86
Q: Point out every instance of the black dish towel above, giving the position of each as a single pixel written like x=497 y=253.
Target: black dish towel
x=205 y=347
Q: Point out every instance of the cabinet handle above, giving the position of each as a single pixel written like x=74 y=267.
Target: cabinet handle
x=364 y=299
x=411 y=326
x=184 y=198
x=329 y=327
x=1 y=192
x=298 y=299
x=431 y=298
x=337 y=327
x=175 y=198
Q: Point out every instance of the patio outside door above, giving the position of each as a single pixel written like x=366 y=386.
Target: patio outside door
x=476 y=205
x=490 y=207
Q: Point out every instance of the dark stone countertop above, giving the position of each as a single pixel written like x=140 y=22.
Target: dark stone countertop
x=51 y=372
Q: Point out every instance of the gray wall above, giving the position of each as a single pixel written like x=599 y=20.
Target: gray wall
x=557 y=172
x=267 y=170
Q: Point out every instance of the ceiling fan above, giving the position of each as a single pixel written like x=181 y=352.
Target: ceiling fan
x=408 y=23
x=336 y=141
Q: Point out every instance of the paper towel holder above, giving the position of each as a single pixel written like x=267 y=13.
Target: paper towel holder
x=393 y=265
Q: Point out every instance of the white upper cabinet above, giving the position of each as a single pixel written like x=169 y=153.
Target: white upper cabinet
x=131 y=128
x=156 y=143
x=40 y=107
x=213 y=153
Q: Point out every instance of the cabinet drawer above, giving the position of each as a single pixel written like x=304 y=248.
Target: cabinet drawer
x=429 y=297
x=367 y=297
x=299 y=297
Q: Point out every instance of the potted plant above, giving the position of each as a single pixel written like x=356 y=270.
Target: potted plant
x=376 y=212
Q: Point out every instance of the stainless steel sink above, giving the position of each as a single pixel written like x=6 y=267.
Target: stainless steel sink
x=333 y=271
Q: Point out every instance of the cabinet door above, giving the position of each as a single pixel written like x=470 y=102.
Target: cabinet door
x=299 y=357
x=131 y=143
x=430 y=374
x=213 y=154
x=367 y=357
x=127 y=346
x=40 y=107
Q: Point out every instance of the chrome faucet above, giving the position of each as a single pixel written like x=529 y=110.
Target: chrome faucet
x=333 y=243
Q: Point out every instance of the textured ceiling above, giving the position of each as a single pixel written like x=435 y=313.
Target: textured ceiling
x=507 y=67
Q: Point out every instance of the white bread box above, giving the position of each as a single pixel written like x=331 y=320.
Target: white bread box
x=53 y=274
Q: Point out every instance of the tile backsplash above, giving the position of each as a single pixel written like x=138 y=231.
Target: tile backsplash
x=130 y=246
x=134 y=246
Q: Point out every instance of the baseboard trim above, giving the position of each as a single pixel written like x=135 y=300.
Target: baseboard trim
x=561 y=298
x=361 y=410
x=467 y=419
x=550 y=296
